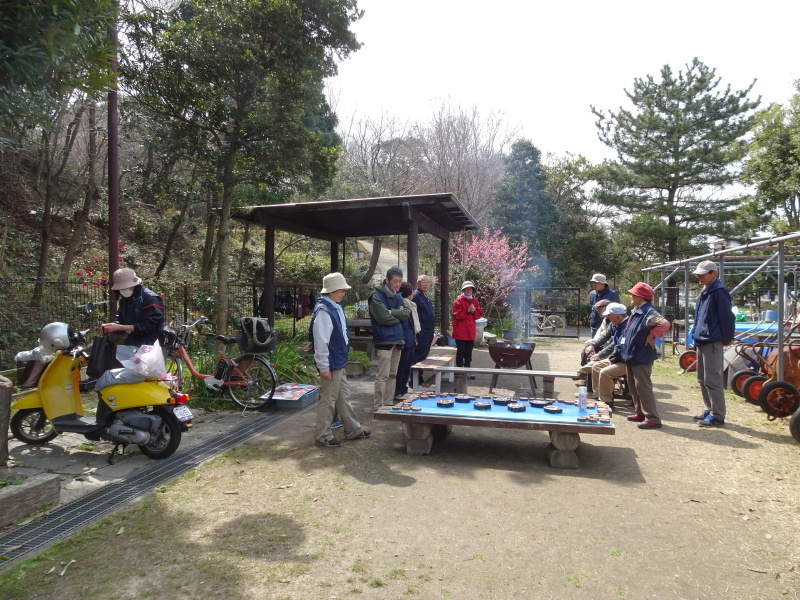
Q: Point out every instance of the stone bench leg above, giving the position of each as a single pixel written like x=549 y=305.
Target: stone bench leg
x=561 y=450
x=420 y=438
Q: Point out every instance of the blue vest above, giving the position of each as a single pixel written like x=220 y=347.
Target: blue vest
x=636 y=350
x=427 y=318
x=387 y=333
x=337 y=349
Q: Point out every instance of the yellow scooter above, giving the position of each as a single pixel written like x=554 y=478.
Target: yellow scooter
x=148 y=414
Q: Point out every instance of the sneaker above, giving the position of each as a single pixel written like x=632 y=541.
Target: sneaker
x=365 y=433
x=471 y=377
x=649 y=425
x=336 y=424
x=711 y=421
x=331 y=443
x=636 y=418
x=702 y=415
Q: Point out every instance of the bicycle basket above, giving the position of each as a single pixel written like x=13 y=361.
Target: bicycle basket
x=257 y=336
x=168 y=339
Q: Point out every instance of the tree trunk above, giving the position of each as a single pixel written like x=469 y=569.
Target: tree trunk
x=44 y=246
x=373 y=261
x=92 y=194
x=209 y=248
x=223 y=244
x=172 y=235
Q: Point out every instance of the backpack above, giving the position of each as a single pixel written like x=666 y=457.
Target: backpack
x=257 y=336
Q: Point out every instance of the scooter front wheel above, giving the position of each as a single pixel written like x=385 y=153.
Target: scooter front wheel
x=166 y=440
x=31 y=426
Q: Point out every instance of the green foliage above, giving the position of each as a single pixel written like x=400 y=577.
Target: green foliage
x=291 y=365
x=141 y=230
x=676 y=152
x=13 y=481
x=51 y=48
x=773 y=166
x=360 y=357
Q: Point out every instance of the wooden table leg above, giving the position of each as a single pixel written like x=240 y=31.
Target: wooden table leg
x=561 y=451
x=415 y=383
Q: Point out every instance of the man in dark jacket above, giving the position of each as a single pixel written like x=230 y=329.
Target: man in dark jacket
x=714 y=327
x=386 y=311
x=600 y=291
x=427 y=318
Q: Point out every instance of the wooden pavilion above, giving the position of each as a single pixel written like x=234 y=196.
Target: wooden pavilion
x=336 y=220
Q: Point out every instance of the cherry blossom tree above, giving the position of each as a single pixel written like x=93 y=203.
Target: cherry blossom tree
x=495 y=266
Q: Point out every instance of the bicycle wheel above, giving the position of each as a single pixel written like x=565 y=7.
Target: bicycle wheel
x=175 y=368
x=556 y=323
x=251 y=381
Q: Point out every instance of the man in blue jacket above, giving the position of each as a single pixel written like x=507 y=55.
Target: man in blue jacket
x=714 y=327
x=600 y=291
x=427 y=318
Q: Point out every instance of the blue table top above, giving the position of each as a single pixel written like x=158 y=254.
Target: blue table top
x=569 y=414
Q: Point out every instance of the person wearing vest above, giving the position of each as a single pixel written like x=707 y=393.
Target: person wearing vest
x=387 y=312
x=600 y=291
x=330 y=341
x=427 y=319
x=141 y=311
x=410 y=331
x=714 y=328
x=637 y=349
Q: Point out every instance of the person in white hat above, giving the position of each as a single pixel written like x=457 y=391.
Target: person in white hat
x=141 y=311
x=466 y=310
x=714 y=327
x=606 y=364
x=330 y=343
x=600 y=291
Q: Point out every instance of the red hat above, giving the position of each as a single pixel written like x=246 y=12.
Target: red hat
x=643 y=291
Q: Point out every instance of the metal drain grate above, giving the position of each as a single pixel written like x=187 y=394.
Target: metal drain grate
x=64 y=520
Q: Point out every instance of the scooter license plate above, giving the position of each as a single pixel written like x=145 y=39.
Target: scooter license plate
x=183 y=413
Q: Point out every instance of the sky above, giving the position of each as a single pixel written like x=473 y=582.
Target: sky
x=543 y=64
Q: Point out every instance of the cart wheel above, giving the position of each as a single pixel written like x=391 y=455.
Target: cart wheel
x=688 y=361
x=778 y=399
x=738 y=379
x=751 y=388
x=794 y=426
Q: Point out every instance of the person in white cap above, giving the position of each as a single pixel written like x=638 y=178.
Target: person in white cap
x=600 y=291
x=141 y=311
x=466 y=310
x=330 y=344
x=714 y=327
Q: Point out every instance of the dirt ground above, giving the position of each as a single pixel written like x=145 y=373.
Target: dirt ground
x=680 y=512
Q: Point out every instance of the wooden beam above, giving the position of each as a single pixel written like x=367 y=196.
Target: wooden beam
x=424 y=223
x=269 y=274
x=334 y=257
x=291 y=227
x=444 y=285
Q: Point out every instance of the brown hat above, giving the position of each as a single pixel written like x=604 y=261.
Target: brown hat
x=124 y=279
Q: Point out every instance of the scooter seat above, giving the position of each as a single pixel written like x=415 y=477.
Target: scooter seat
x=74 y=423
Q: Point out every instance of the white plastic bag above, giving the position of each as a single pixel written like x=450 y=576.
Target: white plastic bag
x=145 y=360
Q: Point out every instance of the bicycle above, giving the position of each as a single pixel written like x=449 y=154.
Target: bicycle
x=249 y=379
x=546 y=322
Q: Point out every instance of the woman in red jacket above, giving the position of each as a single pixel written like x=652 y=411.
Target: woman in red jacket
x=466 y=310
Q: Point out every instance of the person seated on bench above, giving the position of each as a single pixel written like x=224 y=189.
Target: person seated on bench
x=600 y=339
x=607 y=364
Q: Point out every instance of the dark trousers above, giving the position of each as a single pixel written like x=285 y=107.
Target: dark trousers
x=464 y=352
x=423 y=347
x=404 y=370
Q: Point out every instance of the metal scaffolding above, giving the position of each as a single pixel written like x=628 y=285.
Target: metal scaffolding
x=730 y=259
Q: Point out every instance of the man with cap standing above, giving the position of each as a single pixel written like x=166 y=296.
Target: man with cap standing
x=330 y=343
x=714 y=327
x=141 y=311
x=638 y=352
x=600 y=291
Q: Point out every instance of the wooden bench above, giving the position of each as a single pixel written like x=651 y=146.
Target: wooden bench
x=548 y=377
x=432 y=364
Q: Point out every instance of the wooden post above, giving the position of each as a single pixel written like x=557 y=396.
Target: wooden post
x=6 y=387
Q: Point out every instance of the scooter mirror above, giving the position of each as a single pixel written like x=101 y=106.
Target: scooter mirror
x=89 y=308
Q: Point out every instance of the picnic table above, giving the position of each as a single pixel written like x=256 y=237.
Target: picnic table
x=432 y=365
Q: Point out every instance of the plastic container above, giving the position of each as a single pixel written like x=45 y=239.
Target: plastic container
x=582 y=398
x=480 y=325
x=770 y=316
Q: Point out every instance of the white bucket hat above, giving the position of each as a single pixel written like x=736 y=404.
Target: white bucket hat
x=124 y=279
x=598 y=278
x=467 y=284
x=333 y=282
